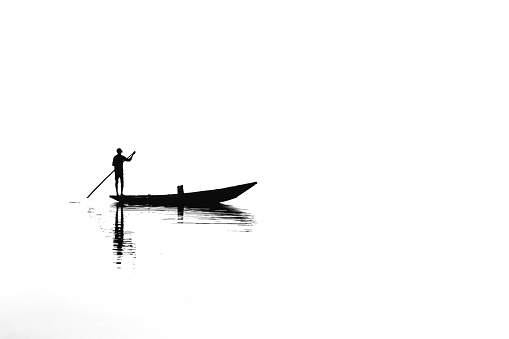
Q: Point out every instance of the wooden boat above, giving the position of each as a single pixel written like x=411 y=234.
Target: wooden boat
x=201 y=198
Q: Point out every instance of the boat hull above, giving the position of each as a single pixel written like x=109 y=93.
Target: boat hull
x=202 y=198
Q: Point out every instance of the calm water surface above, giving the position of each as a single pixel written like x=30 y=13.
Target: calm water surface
x=93 y=269
x=120 y=223
x=271 y=269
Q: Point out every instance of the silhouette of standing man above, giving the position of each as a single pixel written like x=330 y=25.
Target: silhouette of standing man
x=118 y=163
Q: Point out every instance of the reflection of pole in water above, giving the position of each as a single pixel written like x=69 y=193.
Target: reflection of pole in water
x=118 y=240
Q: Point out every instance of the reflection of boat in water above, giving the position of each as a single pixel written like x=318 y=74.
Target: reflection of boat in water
x=121 y=223
x=202 y=198
x=217 y=214
x=220 y=214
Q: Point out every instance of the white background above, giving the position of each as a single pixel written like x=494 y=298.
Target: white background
x=379 y=130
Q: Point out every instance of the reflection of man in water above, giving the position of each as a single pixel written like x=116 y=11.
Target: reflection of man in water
x=118 y=162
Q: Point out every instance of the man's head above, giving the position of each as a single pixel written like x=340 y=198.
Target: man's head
x=119 y=150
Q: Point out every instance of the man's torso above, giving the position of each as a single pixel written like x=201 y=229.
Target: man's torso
x=118 y=162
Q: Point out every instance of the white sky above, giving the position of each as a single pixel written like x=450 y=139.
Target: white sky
x=228 y=87
x=228 y=92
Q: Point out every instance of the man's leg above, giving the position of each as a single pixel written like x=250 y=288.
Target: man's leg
x=121 y=185
x=116 y=185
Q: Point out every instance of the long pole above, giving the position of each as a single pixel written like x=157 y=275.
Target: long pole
x=107 y=178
